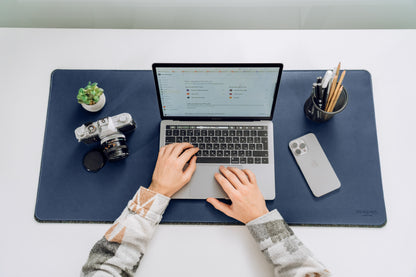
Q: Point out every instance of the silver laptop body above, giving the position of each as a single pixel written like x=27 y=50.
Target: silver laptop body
x=225 y=110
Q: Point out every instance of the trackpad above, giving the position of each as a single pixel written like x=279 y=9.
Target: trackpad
x=202 y=184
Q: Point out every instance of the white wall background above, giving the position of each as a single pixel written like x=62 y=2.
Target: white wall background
x=210 y=14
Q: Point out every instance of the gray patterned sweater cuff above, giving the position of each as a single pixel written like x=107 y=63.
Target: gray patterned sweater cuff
x=283 y=249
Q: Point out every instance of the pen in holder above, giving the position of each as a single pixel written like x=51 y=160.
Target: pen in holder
x=328 y=98
x=315 y=113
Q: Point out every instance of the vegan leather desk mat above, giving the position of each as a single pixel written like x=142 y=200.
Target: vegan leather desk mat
x=68 y=193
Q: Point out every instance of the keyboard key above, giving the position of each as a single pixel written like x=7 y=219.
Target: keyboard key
x=179 y=139
x=234 y=153
x=251 y=146
x=207 y=139
x=214 y=139
x=264 y=160
x=213 y=153
x=190 y=133
x=205 y=153
x=243 y=160
x=217 y=133
x=246 y=133
x=221 y=139
x=200 y=139
x=239 y=133
x=223 y=146
x=209 y=146
x=257 y=160
x=217 y=160
x=168 y=132
x=235 y=160
x=182 y=132
x=176 y=132
x=260 y=153
x=236 y=139
x=228 y=140
x=211 y=133
x=244 y=146
x=230 y=146
x=249 y=153
x=225 y=133
x=250 y=160
x=232 y=133
x=241 y=153
x=259 y=146
x=186 y=139
x=220 y=153
x=216 y=146
x=237 y=146
x=170 y=139
x=197 y=133
x=262 y=133
x=227 y=153
x=243 y=139
x=201 y=146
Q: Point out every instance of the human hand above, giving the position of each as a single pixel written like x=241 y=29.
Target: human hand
x=241 y=187
x=169 y=175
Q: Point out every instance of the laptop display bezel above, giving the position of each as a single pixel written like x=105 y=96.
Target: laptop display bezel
x=219 y=118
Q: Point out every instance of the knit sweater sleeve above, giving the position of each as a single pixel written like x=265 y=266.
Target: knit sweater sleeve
x=283 y=249
x=119 y=252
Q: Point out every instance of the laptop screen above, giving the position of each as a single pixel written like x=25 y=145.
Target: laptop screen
x=217 y=91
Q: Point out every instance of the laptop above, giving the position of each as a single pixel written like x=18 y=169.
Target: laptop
x=226 y=111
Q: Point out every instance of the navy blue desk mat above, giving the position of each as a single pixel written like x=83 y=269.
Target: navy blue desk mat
x=68 y=193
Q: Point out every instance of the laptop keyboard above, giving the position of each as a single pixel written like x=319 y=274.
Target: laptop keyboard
x=223 y=144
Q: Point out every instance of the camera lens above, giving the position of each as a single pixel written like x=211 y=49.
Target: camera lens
x=115 y=148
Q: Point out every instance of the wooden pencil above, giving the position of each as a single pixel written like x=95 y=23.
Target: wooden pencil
x=336 y=91
x=331 y=92
x=335 y=99
x=340 y=80
x=338 y=68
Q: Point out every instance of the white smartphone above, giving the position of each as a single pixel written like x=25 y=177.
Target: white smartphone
x=314 y=165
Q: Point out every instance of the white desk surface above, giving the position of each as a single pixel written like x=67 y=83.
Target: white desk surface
x=27 y=58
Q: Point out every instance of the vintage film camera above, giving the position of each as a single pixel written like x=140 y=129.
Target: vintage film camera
x=110 y=132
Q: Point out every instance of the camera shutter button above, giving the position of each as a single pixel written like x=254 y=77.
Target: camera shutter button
x=123 y=118
x=80 y=132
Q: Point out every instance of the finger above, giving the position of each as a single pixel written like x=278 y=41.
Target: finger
x=162 y=150
x=189 y=171
x=240 y=174
x=251 y=176
x=188 y=153
x=225 y=184
x=180 y=147
x=169 y=148
x=220 y=206
x=230 y=177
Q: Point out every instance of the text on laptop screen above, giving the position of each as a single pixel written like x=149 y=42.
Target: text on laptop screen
x=217 y=91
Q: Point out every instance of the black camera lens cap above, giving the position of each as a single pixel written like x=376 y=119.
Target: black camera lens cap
x=94 y=160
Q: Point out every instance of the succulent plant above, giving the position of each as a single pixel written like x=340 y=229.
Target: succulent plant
x=89 y=95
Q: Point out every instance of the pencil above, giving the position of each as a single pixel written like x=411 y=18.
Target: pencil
x=331 y=92
x=340 y=80
x=336 y=91
x=335 y=99
x=338 y=68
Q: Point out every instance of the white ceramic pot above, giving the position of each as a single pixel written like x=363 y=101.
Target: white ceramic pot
x=97 y=106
